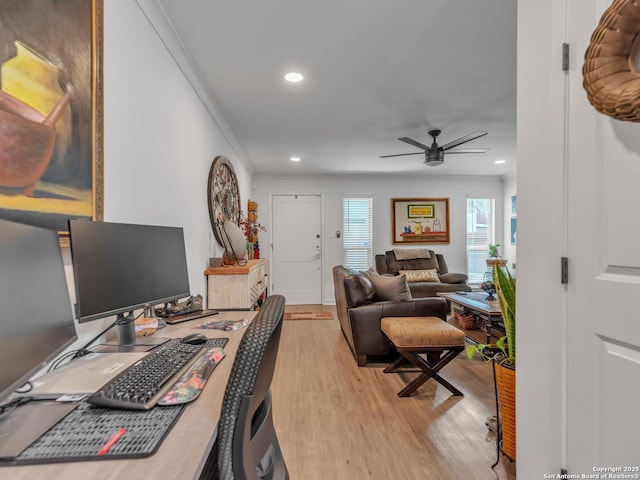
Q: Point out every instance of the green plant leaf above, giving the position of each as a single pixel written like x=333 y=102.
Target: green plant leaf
x=506 y=292
x=471 y=351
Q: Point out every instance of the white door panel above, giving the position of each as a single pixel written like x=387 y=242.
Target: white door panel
x=618 y=444
x=297 y=248
x=604 y=283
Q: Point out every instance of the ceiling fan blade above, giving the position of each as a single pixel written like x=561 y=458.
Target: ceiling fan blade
x=465 y=139
x=413 y=142
x=401 y=154
x=468 y=150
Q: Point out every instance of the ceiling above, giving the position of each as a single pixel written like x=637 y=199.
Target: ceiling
x=374 y=71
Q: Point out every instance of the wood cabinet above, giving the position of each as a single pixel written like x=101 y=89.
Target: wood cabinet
x=236 y=287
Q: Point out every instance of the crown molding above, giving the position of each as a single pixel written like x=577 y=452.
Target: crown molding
x=161 y=23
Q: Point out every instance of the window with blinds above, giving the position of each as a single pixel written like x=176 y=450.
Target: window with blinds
x=357 y=232
x=480 y=234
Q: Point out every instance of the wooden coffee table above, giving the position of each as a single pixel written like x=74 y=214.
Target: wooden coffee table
x=476 y=303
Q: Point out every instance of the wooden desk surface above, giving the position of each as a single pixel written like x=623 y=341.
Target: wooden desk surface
x=473 y=300
x=183 y=452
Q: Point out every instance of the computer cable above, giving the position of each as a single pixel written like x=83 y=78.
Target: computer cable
x=13 y=404
x=27 y=387
x=81 y=352
x=57 y=363
x=84 y=350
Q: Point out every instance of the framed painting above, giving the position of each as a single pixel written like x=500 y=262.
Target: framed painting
x=514 y=227
x=51 y=102
x=420 y=220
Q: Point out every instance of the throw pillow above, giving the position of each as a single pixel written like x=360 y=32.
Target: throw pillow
x=411 y=253
x=430 y=275
x=390 y=287
x=454 y=278
x=359 y=290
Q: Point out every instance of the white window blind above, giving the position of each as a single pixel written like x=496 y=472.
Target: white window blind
x=480 y=234
x=357 y=232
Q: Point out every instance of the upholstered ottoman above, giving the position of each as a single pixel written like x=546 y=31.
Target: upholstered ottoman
x=413 y=336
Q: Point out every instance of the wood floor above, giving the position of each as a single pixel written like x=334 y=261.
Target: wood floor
x=338 y=421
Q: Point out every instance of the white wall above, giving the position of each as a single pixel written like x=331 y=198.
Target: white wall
x=541 y=300
x=382 y=188
x=159 y=141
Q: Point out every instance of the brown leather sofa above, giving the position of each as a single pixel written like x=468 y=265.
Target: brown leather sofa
x=447 y=282
x=360 y=313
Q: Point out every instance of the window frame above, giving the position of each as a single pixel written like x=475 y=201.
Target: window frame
x=358 y=232
x=476 y=250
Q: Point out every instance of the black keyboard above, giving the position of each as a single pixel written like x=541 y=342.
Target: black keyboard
x=140 y=386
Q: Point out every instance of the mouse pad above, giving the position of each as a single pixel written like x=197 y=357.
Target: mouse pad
x=189 y=386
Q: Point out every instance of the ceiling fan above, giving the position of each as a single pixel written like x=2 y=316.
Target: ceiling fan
x=434 y=155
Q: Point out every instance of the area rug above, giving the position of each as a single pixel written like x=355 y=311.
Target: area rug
x=308 y=315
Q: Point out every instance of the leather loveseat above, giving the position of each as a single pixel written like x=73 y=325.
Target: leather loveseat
x=423 y=261
x=360 y=311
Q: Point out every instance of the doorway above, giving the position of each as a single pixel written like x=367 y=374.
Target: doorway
x=296 y=269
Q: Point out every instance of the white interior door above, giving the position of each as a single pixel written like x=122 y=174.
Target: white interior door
x=296 y=269
x=603 y=351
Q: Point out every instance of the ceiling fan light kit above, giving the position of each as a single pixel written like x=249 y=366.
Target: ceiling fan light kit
x=433 y=158
x=434 y=155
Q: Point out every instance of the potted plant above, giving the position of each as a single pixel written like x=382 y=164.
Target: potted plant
x=494 y=256
x=503 y=354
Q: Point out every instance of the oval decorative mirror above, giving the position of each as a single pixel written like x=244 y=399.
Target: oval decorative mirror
x=223 y=195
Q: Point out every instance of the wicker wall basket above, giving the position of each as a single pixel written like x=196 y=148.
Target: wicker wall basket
x=506 y=384
x=610 y=75
x=467 y=321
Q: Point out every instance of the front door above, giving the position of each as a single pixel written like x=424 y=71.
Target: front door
x=296 y=270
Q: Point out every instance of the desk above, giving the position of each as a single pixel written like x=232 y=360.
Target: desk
x=185 y=449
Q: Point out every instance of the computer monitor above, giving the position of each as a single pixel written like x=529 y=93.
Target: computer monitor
x=120 y=267
x=36 y=319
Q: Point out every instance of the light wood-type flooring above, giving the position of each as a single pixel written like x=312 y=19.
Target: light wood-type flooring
x=337 y=421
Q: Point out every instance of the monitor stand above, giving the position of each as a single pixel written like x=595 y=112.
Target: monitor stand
x=127 y=339
x=22 y=426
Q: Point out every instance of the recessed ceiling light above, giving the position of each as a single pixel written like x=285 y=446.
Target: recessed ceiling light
x=295 y=159
x=293 y=77
x=498 y=162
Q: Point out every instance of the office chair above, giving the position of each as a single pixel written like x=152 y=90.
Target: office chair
x=247 y=447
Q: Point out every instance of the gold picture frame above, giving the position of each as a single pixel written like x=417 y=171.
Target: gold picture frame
x=51 y=81
x=420 y=220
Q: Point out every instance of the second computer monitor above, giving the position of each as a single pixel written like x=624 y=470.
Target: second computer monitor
x=36 y=322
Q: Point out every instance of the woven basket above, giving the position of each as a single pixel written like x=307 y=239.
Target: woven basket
x=506 y=384
x=466 y=321
x=609 y=75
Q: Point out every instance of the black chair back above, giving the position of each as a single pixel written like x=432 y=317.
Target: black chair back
x=247 y=447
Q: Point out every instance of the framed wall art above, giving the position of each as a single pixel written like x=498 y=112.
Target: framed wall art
x=420 y=220
x=51 y=98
